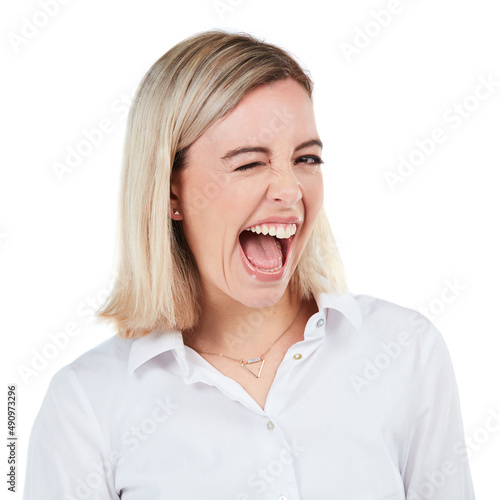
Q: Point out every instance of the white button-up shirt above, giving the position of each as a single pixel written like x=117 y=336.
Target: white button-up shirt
x=364 y=408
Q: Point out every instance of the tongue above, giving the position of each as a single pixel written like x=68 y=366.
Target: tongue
x=261 y=250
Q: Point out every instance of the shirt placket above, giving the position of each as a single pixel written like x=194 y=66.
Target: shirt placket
x=274 y=478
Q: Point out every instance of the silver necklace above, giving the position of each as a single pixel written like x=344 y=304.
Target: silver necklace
x=260 y=359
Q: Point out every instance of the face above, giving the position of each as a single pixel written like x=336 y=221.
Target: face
x=250 y=192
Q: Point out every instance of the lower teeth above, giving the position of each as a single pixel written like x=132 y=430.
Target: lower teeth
x=270 y=270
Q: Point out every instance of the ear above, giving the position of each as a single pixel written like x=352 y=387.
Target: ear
x=175 y=202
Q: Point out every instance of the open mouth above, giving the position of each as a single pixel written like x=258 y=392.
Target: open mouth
x=267 y=246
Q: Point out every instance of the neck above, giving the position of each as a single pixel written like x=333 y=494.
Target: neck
x=245 y=332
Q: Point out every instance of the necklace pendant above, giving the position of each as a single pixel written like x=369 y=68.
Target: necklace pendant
x=253 y=360
x=260 y=360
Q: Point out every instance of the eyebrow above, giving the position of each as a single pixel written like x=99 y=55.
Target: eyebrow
x=260 y=149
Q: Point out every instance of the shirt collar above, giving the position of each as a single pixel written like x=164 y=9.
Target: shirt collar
x=159 y=341
x=145 y=348
x=345 y=303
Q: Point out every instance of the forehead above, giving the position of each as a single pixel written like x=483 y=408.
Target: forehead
x=267 y=116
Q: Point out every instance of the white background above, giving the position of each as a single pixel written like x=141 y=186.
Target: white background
x=436 y=232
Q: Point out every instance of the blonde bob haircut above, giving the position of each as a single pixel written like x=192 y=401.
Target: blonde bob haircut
x=183 y=94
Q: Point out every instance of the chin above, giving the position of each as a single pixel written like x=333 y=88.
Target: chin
x=263 y=294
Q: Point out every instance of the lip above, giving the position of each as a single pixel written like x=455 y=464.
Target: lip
x=274 y=275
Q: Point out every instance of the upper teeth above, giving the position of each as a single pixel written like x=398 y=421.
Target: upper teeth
x=282 y=231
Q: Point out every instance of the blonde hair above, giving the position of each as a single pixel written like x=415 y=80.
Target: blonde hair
x=185 y=92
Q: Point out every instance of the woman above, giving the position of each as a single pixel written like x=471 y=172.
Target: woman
x=243 y=369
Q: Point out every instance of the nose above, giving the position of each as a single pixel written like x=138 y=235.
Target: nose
x=284 y=187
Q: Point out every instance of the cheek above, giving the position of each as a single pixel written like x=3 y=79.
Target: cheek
x=313 y=193
x=210 y=216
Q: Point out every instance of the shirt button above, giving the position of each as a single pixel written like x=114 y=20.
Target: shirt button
x=297 y=356
x=320 y=323
x=282 y=498
x=270 y=425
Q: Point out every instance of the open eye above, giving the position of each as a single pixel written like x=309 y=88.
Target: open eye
x=309 y=159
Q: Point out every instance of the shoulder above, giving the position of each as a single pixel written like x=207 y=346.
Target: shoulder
x=385 y=321
x=107 y=362
x=398 y=345
x=85 y=395
x=379 y=309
